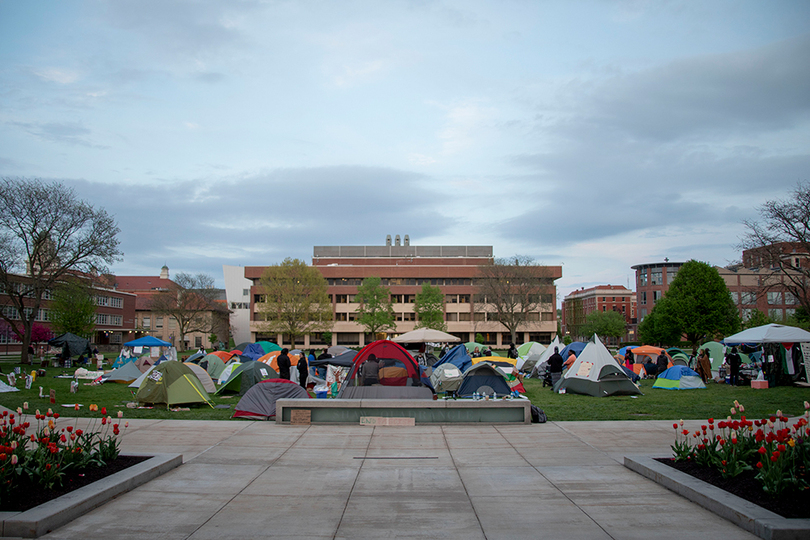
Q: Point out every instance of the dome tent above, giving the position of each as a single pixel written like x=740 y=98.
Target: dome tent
x=446 y=378
x=171 y=383
x=596 y=373
x=678 y=378
x=245 y=375
x=260 y=401
x=483 y=378
x=398 y=376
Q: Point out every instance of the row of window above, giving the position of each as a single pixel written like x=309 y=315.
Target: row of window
x=109 y=320
x=402 y=281
x=146 y=322
x=656 y=277
x=109 y=301
x=13 y=313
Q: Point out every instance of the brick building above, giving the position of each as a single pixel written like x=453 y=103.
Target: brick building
x=579 y=304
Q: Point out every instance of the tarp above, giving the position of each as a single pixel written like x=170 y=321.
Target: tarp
x=596 y=373
x=769 y=333
x=260 y=401
x=397 y=368
x=203 y=376
x=426 y=335
x=458 y=356
x=147 y=341
x=253 y=351
x=76 y=345
x=245 y=375
x=446 y=378
x=172 y=383
x=678 y=378
x=483 y=378
x=345 y=359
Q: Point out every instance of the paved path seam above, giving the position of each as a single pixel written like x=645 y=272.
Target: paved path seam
x=466 y=492
x=354 y=483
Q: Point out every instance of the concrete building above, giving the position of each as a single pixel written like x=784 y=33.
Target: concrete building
x=403 y=268
x=603 y=298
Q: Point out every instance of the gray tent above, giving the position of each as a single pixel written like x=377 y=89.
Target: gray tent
x=483 y=378
x=596 y=373
x=75 y=345
x=245 y=375
x=446 y=378
x=260 y=401
x=125 y=374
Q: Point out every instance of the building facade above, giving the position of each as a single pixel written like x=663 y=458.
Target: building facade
x=403 y=269
x=652 y=281
x=603 y=298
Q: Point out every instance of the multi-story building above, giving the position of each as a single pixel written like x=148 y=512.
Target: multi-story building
x=403 y=269
x=148 y=322
x=115 y=316
x=579 y=304
x=652 y=281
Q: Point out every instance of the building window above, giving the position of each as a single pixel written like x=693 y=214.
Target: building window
x=604 y=308
x=655 y=277
x=547 y=316
x=116 y=302
x=102 y=300
x=746 y=313
x=116 y=338
x=245 y=292
x=735 y=297
x=642 y=278
x=451 y=317
x=147 y=322
x=198 y=341
x=348 y=338
x=749 y=298
x=341 y=316
x=671 y=273
x=158 y=322
x=464 y=317
x=172 y=323
x=451 y=298
x=657 y=296
x=790 y=312
x=790 y=299
x=116 y=320
x=464 y=299
x=644 y=298
x=774 y=298
x=775 y=314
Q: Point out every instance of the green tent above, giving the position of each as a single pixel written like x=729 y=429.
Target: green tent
x=171 y=383
x=246 y=375
x=213 y=364
x=715 y=353
x=471 y=345
x=268 y=346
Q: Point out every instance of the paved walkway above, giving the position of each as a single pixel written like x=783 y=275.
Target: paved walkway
x=246 y=479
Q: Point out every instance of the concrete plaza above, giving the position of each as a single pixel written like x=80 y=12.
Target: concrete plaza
x=244 y=479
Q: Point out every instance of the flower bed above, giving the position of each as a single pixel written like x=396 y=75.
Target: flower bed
x=43 y=456
x=772 y=451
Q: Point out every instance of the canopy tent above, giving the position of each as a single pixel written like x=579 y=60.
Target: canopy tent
x=446 y=378
x=396 y=375
x=345 y=359
x=171 y=383
x=75 y=345
x=147 y=341
x=426 y=335
x=678 y=378
x=268 y=346
x=245 y=375
x=483 y=378
x=769 y=333
x=458 y=356
x=124 y=374
x=596 y=373
x=203 y=376
x=260 y=401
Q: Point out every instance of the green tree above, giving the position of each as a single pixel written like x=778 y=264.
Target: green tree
x=295 y=299
x=655 y=330
x=429 y=308
x=73 y=309
x=697 y=305
x=376 y=310
x=46 y=233
x=605 y=323
x=756 y=318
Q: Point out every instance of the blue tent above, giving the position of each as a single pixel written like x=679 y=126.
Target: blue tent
x=253 y=351
x=457 y=356
x=678 y=378
x=148 y=341
x=122 y=360
x=576 y=346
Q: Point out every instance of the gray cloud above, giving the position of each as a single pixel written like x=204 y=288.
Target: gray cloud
x=71 y=133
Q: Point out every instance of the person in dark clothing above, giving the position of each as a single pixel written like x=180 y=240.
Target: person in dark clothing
x=283 y=364
x=733 y=360
x=322 y=369
x=661 y=362
x=512 y=352
x=303 y=371
x=629 y=360
x=651 y=369
x=371 y=371
x=555 y=366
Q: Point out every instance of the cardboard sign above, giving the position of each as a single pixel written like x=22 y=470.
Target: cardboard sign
x=806 y=356
x=584 y=369
x=301 y=416
x=385 y=421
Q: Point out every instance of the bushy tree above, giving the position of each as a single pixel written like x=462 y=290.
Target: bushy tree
x=47 y=233
x=429 y=308
x=295 y=299
x=73 y=309
x=605 y=323
x=376 y=312
x=655 y=330
x=697 y=305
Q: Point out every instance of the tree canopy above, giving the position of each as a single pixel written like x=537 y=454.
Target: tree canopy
x=429 y=308
x=46 y=233
x=697 y=305
x=191 y=302
x=295 y=300
x=376 y=312
x=512 y=289
x=73 y=309
x=605 y=323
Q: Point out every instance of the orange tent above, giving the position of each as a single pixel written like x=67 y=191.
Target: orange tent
x=271 y=359
x=652 y=353
x=224 y=355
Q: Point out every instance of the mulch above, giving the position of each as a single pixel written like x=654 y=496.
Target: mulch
x=27 y=495
x=791 y=504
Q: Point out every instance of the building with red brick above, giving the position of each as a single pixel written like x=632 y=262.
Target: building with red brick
x=603 y=298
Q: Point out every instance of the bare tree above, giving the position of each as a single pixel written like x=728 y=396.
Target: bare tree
x=191 y=302
x=781 y=238
x=512 y=289
x=46 y=233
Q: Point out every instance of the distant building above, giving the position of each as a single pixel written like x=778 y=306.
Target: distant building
x=603 y=298
x=652 y=281
x=403 y=268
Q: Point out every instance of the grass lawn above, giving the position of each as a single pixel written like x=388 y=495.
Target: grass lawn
x=715 y=401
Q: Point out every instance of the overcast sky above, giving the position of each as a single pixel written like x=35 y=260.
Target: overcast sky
x=596 y=135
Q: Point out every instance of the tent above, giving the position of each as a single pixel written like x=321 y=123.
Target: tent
x=241 y=347
x=426 y=335
x=679 y=359
x=678 y=378
x=196 y=357
x=144 y=362
x=398 y=375
x=506 y=365
x=471 y=345
x=260 y=401
x=245 y=375
x=230 y=366
x=125 y=374
x=576 y=346
x=76 y=345
x=769 y=333
x=123 y=359
x=213 y=364
x=483 y=378
x=446 y=378
x=651 y=353
x=459 y=356
x=253 y=351
x=345 y=359
x=716 y=353
x=271 y=359
x=535 y=367
x=335 y=350
x=596 y=373
x=531 y=351
x=137 y=382
x=147 y=341
x=172 y=383
x=203 y=376
x=268 y=346
x=224 y=355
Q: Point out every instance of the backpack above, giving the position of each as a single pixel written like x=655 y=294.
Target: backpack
x=538 y=416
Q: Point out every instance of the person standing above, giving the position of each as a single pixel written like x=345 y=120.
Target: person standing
x=512 y=352
x=704 y=366
x=733 y=361
x=628 y=358
x=661 y=362
x=322 y=368
x=303 y=371
x=283 y=362
x=555 y=366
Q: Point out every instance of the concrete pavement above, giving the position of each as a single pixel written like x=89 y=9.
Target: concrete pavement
x=245 y=479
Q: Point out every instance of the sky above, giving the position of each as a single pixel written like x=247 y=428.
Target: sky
x=595 y=135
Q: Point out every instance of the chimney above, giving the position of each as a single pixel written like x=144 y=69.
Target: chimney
x=407 y=240
x=396 y=240
x=388 y=240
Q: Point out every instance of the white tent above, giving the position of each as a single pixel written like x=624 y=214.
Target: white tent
x=426 y=335
x=596 y=373
x=546 y=355
x=769 y=333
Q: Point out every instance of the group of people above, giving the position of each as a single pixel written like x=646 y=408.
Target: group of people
x=284 y=366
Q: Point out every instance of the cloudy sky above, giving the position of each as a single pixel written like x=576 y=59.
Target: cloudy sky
x=592 y=134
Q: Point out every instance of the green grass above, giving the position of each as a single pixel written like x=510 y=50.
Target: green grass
x=656 y=404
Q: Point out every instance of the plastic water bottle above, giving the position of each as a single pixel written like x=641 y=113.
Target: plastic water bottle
x=494 y=395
